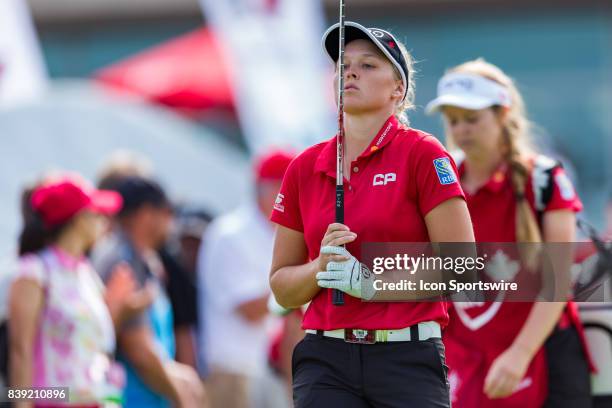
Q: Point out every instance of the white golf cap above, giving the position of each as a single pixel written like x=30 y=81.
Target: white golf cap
x=468 y=91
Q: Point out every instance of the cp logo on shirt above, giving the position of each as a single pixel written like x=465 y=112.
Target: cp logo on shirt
x=383 y=179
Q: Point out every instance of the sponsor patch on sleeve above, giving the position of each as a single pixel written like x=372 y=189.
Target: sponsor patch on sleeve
x=278 y=203
x=565 y=186
x=445 y=171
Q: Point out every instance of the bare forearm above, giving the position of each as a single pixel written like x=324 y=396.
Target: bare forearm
x=20 y=373
x=20 y=368
x=540 y=323
x=158 y=378
x=150 y=367
x=185 y=352
x=294 y=286
x=254 y=310
x=558 y=226
x=115 y=316
x=25 y=308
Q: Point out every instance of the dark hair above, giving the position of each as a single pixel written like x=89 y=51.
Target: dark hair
x=138 y=192
x=110 y=182
x=186 y=211
x=35 y=235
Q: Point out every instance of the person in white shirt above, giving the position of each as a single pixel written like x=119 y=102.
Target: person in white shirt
x=233 y=269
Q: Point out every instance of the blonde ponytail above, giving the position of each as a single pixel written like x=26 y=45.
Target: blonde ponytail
x=516 y=145
x=527 y=229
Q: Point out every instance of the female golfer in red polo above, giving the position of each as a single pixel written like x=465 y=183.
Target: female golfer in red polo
x=509 y=355
x=395 y=192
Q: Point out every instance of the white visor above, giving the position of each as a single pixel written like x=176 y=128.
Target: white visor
x=468 y=91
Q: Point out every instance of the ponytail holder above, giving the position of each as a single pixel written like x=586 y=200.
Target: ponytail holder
x=518 y=197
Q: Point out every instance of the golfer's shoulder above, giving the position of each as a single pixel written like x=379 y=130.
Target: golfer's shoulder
x=418 y=142
x=314 y=157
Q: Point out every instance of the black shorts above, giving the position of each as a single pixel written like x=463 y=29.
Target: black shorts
x=329 y=372
x=569 y=377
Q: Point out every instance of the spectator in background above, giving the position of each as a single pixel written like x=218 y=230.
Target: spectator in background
x=146 y=343
x=179 y=256
x=57 y=302
x=190 y=227
x=121 y=164
x=179 y=286
x=233 y=283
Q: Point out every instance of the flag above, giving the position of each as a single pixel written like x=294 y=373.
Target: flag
x=278 y=69
x=22 y=72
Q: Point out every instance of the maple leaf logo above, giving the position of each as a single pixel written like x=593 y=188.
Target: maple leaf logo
x=501 y=267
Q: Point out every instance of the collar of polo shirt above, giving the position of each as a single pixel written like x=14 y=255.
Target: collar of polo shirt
x=326 y=162
x=495 y=183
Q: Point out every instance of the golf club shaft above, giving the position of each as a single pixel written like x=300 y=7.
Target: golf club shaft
x=338 y=296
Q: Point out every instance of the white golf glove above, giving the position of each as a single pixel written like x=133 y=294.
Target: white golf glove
x=350 y=276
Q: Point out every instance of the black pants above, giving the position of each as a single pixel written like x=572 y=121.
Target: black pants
x=332 y=373
x=569 y=379
x=602 y=402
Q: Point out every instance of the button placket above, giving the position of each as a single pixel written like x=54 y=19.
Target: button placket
x=354 y=170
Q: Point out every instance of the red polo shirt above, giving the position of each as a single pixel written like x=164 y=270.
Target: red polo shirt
x=493 y=207
x=394 y=183
x=477 y=335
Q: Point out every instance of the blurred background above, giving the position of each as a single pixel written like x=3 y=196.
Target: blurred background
x=192 y=93
x=169 y=80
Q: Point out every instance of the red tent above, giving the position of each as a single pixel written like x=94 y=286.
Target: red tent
x=187 y=73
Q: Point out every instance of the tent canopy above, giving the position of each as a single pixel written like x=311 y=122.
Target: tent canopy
x=187 y=73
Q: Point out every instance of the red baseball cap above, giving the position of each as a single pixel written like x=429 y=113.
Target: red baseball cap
x=272 y=165
x=59 y=201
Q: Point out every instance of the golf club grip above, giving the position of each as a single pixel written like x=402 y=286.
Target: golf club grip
x=338 y=295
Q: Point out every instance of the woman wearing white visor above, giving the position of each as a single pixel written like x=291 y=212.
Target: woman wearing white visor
x=509 y=354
